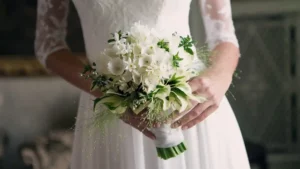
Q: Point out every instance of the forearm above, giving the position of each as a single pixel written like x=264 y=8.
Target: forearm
x=69 y=67
x=224 y=58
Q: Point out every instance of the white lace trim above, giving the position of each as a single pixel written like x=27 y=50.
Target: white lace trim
x=218 y=22
x=51 y=27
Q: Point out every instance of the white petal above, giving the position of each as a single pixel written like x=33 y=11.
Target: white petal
x=116 y=66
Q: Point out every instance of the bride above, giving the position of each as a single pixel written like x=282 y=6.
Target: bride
x=210 y=129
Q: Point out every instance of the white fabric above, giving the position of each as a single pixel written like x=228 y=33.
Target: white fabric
x=216 y=143
x=167 y=137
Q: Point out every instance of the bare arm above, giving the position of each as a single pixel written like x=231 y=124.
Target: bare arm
x=220 y=34
x=50 y=45
x=69 y=67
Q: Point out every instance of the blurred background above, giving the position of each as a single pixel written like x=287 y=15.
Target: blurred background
x=38 y=110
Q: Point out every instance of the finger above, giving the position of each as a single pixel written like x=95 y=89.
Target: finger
x=198 y=83
x=200 y=118
x=177 y=115
x=192 y=114
x=194 y=85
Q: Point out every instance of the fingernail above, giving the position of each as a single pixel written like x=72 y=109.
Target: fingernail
x=184 y=127
x=153 y=137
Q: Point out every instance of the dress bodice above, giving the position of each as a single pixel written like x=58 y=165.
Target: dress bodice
x=99 y=18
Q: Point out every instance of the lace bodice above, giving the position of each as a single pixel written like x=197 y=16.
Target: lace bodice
x=99 y=18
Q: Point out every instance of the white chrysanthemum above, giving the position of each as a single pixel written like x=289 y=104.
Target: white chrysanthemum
x=116 y=66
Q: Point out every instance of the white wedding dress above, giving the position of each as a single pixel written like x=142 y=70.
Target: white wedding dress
x=216 y=143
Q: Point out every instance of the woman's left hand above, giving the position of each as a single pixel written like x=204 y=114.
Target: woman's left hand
x=212 y=85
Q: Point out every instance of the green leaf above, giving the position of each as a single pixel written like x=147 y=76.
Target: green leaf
x=187 y=43
x=112 y=102
x=111 y=40
x=110 y=91
x=180 y=93
x=184 y=87
x=176 y=59
x=178 y=102
x=164 y=92
x=189 y=50
x=93 y=86
x=87 y=68
x=175 y=80
x=199 y=99
x=163 y=44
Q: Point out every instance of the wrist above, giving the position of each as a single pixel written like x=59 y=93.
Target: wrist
x=224 y=71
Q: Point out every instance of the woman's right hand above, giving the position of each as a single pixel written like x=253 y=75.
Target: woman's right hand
x=138 y=122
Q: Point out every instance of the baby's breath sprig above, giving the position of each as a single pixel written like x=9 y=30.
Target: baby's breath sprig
x=204 y=54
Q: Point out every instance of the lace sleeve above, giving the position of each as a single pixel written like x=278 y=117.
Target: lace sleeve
x=218 y=22
x=50 y=27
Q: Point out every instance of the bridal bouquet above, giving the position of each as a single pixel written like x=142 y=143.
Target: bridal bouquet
x=146 y=71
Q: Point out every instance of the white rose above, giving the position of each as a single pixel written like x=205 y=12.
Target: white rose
x=116 y=66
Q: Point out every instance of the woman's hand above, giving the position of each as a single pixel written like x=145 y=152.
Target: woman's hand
x=138 y=122
x=212 y=85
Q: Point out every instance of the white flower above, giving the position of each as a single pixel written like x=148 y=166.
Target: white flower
x=102 y=64
x=130 y=65
x=136 y=77
x=145 y=60
x=110 y=52
x=151 y=81
x=121 y=48
x=116 y=66
x=127 y=76
x=137 y=50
